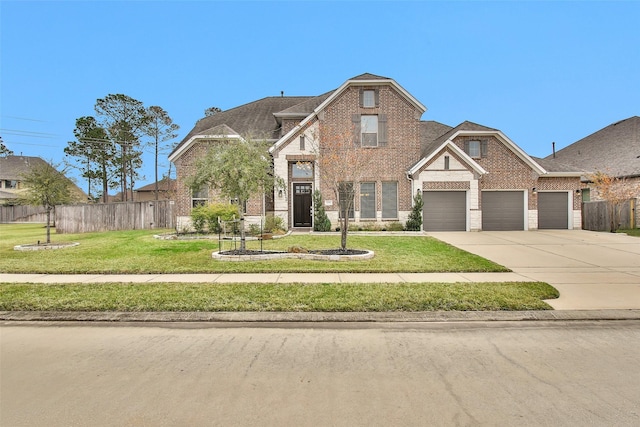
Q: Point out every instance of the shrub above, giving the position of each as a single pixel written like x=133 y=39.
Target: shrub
x=321 y=221
x=209 y=214
x=199 y=218
x=414 y=222
x=254 y=229
x=394 y=226
x=273 y=223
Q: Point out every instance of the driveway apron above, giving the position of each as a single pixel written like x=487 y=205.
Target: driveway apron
x=591 y=270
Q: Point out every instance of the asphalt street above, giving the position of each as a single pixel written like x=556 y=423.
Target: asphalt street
x=320 y=374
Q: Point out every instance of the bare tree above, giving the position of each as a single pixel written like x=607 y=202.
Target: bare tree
x=615 y=191
x=342 y=163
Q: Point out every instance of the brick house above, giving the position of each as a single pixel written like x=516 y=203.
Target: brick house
x=471 y=177
x=614 y=150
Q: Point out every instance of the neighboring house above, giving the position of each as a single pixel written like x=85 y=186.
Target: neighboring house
x=166 y=191
x=12 y=171
x=471 y=177
x=614 y=150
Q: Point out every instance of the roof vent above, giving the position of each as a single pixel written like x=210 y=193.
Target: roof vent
x=282 y=94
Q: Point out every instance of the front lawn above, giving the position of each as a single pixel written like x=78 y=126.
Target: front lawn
x=138 y=252
x=296 y=297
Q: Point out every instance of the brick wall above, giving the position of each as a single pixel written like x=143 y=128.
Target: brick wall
x=389 y=162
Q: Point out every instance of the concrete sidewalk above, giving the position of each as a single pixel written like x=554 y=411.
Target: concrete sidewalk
x=267 y=278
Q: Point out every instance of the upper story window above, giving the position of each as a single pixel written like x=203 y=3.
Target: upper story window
x=476 y=149
x=369 y=129
x=369 y=98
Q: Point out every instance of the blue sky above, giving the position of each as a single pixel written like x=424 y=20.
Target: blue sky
x=538 y=71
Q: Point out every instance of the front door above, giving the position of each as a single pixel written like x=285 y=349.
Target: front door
x=302 y=205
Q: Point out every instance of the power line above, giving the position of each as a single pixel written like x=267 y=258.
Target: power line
x=27 y=133
x=26 y=143
x=24 y=118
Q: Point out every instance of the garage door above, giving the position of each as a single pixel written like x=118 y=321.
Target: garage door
x=502 y=210
x=553 y=210
x=444 y=210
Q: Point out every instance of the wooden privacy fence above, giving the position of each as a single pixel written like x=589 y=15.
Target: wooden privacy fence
x=596 y=215
x=115 y=216
x=24 y=213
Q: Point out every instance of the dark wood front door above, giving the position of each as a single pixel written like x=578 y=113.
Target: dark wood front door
x=302 y=205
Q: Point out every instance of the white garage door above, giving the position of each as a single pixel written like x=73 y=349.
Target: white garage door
x=553 y=210
x=444 y=210
x=502 y=210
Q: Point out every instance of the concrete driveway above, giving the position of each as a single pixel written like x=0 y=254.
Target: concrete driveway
x=591 y=270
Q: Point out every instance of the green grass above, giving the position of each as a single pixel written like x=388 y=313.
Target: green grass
x=630 y=231
x=137 y=252
x=297 y=297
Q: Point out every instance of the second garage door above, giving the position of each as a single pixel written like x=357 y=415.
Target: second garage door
x=553 y=210
x=502 y=210
x=444 y=210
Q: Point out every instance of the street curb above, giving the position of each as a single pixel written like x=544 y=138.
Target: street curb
x=283 y=317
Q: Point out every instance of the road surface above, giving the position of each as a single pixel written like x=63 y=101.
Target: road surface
x=320 y=374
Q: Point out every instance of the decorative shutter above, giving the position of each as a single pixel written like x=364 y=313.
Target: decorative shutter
x=355 y=122
x=483 y=148
x=466 y=147
x=361 y=98
x=382 y=130
x=377 y=95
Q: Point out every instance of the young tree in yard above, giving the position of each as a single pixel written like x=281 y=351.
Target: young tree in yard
x=94 y=154
x=161 y=129
x=237 y=169
x=125 y=120
x=46 y=187
x=342 y=163
x=615 y=191
x=414 y=222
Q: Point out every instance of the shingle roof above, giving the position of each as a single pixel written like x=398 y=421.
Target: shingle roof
x=14 y=167
x=428 y=148
x=306 y=107
x=551 y=166
x=163 y=185
x=369 y=76
x=430 y=130
x=614 y=150
x=255 y=118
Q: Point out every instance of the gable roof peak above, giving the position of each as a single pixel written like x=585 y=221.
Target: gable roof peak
x=369 y=76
